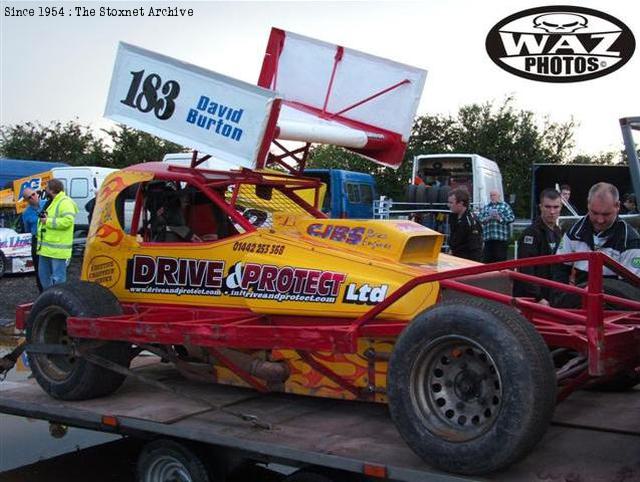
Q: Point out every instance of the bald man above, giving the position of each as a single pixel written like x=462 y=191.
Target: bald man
x=600 y=230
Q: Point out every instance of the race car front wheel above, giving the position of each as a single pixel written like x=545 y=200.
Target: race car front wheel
x=67 y=376
x=471 y=386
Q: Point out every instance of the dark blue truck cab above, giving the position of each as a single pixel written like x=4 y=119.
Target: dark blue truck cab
x=349 y=194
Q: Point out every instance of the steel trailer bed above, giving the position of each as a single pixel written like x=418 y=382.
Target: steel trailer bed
x=594 y=437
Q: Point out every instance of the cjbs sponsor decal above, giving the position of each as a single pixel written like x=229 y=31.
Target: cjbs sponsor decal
x=560 y=44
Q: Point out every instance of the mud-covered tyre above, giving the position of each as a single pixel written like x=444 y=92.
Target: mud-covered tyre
x=169 y=461
x=68 y=377
x=471 y=386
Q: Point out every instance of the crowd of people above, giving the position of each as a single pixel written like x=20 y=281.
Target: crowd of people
x=484 y=236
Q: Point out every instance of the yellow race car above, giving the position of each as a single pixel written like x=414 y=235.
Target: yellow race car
x=238 y=278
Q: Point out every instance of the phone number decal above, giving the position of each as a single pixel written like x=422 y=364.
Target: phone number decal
x=259 y=248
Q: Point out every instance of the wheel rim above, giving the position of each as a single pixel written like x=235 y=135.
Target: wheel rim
x=166 y=468
x=50 y=327
x=456 y=388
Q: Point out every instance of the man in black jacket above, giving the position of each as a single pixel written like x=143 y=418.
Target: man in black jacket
x=541 y=238
x=600 y=230
x=465 y=232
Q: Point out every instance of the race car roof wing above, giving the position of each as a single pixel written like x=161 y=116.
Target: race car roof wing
x=309 y=91
x=212 y=113
x=335 y=95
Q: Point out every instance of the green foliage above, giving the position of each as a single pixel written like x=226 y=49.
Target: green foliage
x=513 y=138
x=78 y=145
x=72 y=143
x=609 y=158
x=131 y=146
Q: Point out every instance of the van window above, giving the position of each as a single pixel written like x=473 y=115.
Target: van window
x=79 y=188
x=358 y=193
x=366 y=193
x=353 y=193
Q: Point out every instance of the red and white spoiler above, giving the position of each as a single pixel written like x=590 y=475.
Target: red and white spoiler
x=308 y=91
x=336 y=95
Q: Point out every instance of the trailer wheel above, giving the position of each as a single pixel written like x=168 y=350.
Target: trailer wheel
x=68 y=377
x=168 y=461
x=471 y=386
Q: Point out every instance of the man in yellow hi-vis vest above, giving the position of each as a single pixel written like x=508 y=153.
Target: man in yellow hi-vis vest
x=55 y=235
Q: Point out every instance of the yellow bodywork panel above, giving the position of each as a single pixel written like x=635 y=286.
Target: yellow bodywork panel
x=299 y=265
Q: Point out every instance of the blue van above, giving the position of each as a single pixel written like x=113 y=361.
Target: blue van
x=349 y=194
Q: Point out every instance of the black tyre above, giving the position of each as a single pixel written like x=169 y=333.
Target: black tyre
x=3 y=264
x=410 y=196
x=432 y=194
x=421 y=194
x=471 y=386
x=68 y=377
x=443 y=194
x=169 y=461
x=410 y=193
x=610 y=286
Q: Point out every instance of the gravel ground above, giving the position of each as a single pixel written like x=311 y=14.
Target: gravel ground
x=16 y=289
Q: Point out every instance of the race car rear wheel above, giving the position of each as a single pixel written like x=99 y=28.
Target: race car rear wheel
x=471 y=386
x=68 y=376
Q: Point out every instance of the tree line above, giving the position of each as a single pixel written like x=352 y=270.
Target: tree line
x=512 y=137
x=79 y=145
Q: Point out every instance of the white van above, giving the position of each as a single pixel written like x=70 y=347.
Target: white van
x=477 y=174
x=81 y=184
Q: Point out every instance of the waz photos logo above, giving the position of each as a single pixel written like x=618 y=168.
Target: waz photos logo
x=560 y=44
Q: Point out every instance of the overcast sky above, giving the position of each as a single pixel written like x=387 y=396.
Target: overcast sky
x=59 y=68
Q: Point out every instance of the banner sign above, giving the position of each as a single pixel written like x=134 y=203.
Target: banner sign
x=37 y=182
x=197 y=108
